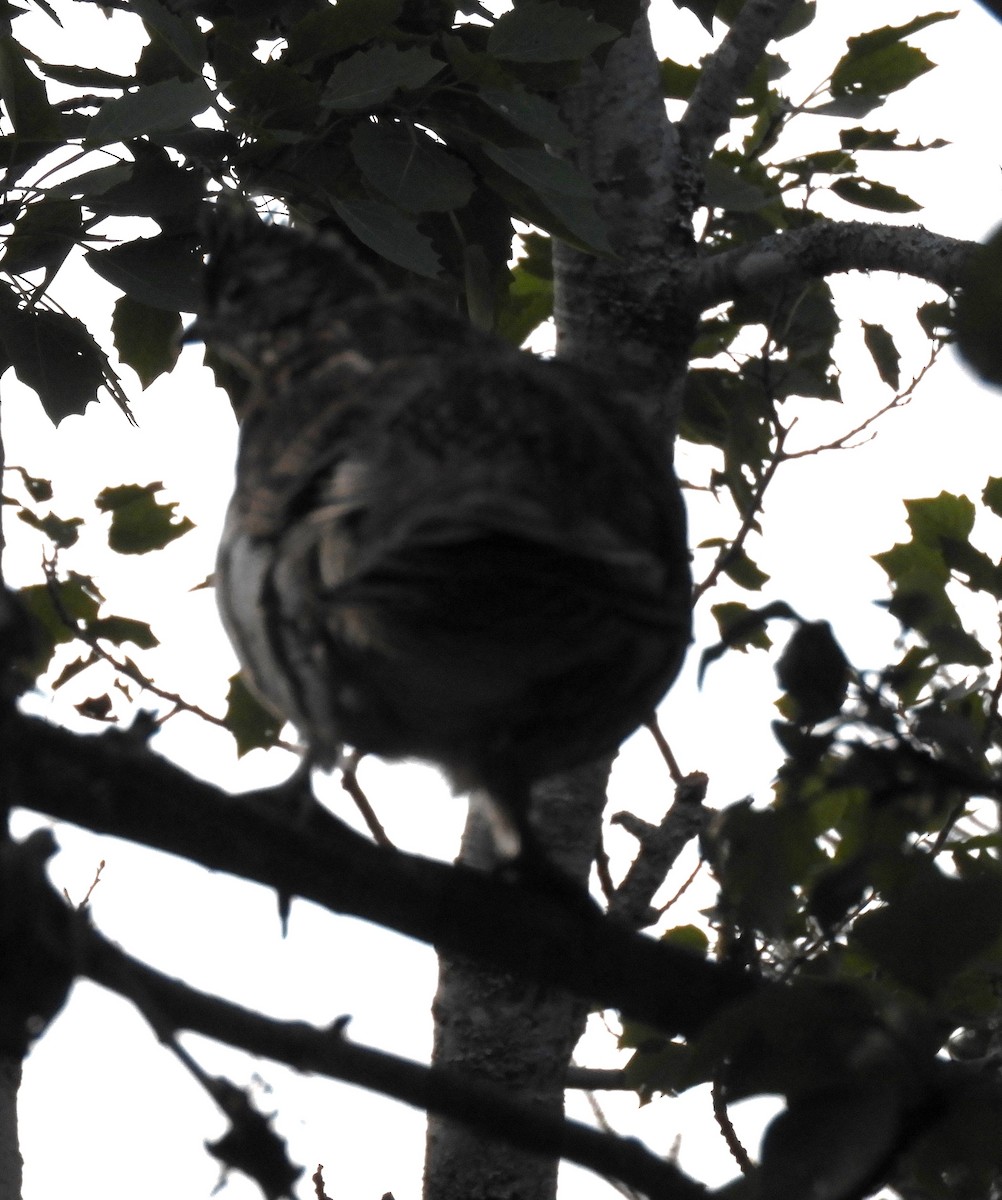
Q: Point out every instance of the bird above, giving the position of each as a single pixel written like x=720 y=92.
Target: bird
x=439 y=547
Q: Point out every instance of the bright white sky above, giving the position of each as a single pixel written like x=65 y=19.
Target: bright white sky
x=104 y=1110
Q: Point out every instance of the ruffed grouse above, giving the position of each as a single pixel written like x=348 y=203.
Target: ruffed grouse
x=439 y=547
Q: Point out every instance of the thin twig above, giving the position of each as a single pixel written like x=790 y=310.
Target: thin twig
x=127 y=667
x=666 y=752
x=684 y=888
x=748 y=523
x=899 y=401
x=349 y=782
x=723 y=1119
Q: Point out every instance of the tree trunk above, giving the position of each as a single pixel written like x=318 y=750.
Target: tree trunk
x=10 y=1152
x=499 y=1028
x=490 y=1025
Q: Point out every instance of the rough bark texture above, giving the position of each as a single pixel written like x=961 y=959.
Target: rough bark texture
x=496 y=1027
x=828 y=249
x=619 y=308
x=487 y=1023
x=10 y=1152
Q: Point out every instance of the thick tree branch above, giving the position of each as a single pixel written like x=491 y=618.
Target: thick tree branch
x=115 y=785
x=172 y=1006
x=660 y=847
x=724 y=75
x=829 y=248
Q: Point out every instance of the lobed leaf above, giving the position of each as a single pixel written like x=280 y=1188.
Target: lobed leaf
x=546 y=32
x=139 y=522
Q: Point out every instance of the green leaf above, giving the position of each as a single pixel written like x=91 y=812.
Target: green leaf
x=56 y=356
x=85 y=77
x=879 y=139
x=741 y=628
x=253 y=726
x=814 y=672
x=868 y=194
x=37 y=488
x=24 y=95
x=275 y=97
x=154 y=186
x=91 y=183
x=179 y=32
x=832 y=1140
x=370 y=77
x=726 y=189
x=541 y=171
x=166 y=105
x=124 y=629
x=688 y=937
x=62 y=533
x=943 y=517
x=147 y=339
x=162 y=271
x=739 y=567
x=333 y=30
x=558 y=186
x=56 y=608
x=702 y=10
x=546 y=32
x=391 y=233
x=409 y=168
x=887 y=35
x=854 y=107
x=992 y=495
x=43 y=236
x=138 y=522
x=72 y=670
x=659 y=1065
x=532 y=114
x=936 y=318
x=911 y=674
x=876 y=67
x=933 y=927
x=530 y=293
x=678 y=80
x=884 y=353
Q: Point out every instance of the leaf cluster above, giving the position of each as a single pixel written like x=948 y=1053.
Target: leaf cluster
x=764 y=348
x=870 y=885
x=420 y=134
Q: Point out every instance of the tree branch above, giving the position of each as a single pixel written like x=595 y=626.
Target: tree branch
x=660 y=847
x=114 y=784
x=328 y=1052
x=725 y=73
x=73 y=946
x=826 y=249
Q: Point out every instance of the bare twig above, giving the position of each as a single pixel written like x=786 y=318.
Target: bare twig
x=749 y=520
x=722 y=1117
x=666 y=752
x=128 y=668
x=842 y=442
x=349 y=782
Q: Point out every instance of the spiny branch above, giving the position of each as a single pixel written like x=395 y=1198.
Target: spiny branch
x=171 y=1006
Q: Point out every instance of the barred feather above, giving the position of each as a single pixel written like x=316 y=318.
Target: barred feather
x=439 y=547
